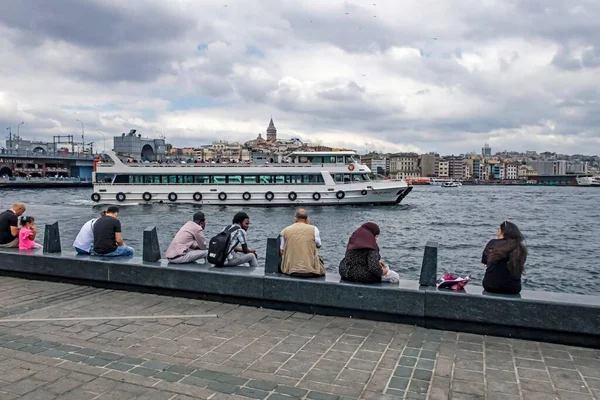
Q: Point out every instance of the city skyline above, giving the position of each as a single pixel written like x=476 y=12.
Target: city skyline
x=385 y=76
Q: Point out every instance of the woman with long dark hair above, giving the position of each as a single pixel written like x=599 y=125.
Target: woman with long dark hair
x=362 y=262
x=504 y=259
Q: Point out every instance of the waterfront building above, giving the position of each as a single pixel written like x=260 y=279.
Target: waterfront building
x=456 y=167
x=526 y=172
x=428 y=163
x=376 y=162
x=404 y=165
x=511 y=171
x=47 y=166
x=558 y=167
x=138 y=148
x=443 y=168
x=578 y=167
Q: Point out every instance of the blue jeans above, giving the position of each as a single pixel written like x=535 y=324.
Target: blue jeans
x=83 y=252
x=121 y=251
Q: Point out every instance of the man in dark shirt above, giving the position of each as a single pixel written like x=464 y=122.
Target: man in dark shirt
x=108 y=241
x=9 y=225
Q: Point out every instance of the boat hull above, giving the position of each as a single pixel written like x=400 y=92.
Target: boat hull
x=248 y=196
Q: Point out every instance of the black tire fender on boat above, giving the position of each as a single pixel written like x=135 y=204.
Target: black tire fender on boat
x=95 y=197
x=340 y=194
x=269 y=196
x=197 y=196
x=222 y=196
x=316 y=196
x=121 y=196
x=147 y=196
x=363 y=192
x=246 y=196
x=172 y=197
x=292 y=196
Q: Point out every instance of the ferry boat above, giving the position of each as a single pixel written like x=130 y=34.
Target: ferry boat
x=309 y=178
x=451 y=184
x=588 y=180
x=442 y=181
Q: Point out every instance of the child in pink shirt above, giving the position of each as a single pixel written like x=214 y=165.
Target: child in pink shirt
x=27 y=234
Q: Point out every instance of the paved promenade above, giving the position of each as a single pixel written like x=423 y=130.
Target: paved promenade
x=255 y=353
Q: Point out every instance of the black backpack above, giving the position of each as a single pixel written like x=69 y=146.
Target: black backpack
x=218 y=245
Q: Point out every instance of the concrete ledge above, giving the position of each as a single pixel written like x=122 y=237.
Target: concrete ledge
x=556 y=317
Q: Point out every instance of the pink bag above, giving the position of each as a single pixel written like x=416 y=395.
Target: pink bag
x=449 y=281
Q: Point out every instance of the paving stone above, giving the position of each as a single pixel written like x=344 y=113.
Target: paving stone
x=205 y=374
x=277 y=396
x=178 y=369
x=252 y=393
x=143 y=371
x=53 y=353
x=156 y=365
x=321 y=396
x=422 y=374
x=119 y=366
x=234 y=380
x=87 y=352
x=23 y=387
x=96 y=362
x=74 y=357
x=67 y=348
x=262 y=385
x=223 y=387
x=291 y=391
x=132 y=360
x=39 y=394
x=198 y=382
x=63 y=385
x=418 y=386
x=169 y=376
x=399 y=383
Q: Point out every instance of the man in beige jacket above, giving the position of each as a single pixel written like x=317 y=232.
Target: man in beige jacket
x=299 y=246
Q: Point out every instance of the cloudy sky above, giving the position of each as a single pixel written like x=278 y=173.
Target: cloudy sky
x=405 y=75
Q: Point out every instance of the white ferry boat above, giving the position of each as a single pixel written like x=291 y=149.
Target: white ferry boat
x=588 y=180
x=309 y=178
x=451 y=184
x=442 y=181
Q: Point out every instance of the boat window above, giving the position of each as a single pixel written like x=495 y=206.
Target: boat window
x=347 y=178
x=338 y=177
x=317 y=160
x=250 y=179
x=294 y=179
x=357 y=177
x=219 y=179
x=266 y=179
x=148 y=179
x=279 y=179
x=234 y=179
x=203 y=179
x=188 y=179
x=303 y=159
x=340 y=159
x=329 y=159
x=104 y=178
x=179 y=178
x=122 y=179
x=366 y=177
x=172 y=178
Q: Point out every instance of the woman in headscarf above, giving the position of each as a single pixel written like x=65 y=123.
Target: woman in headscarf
x=362 y=261
x=504 y=259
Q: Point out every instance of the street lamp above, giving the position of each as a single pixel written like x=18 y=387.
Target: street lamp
x=82 y=135
x=103 y=140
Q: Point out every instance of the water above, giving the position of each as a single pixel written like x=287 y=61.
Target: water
x=560 y=225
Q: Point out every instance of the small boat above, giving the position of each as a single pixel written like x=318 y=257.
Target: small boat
x=588 y=180
x=451 y=184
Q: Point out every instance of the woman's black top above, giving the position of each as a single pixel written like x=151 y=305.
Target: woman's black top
x=498 y=278
x=361 y=265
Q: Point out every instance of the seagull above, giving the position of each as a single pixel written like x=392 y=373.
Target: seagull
x=347 y=13
x=434 y=38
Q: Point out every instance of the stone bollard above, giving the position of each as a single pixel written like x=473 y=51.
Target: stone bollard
x=51 y=238
x=429 y=267
x=151 y=249
x=273 y=256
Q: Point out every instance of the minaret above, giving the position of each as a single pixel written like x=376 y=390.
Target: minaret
x=271 y=132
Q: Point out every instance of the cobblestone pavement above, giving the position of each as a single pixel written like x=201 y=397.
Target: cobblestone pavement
x=257 y=353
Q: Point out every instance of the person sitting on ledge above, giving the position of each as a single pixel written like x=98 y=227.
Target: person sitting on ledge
x=27 y=234
x=238 y=252
x=84 y=242
x=9 y=225
x=503 y=260
x=189 y=243
x=362 y=262
x=299 y=246
x=108 y=241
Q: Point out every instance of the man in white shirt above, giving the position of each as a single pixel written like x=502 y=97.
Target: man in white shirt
x=85 y=238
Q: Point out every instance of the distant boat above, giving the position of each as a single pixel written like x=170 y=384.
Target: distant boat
x=451 y=184
x=588 y=180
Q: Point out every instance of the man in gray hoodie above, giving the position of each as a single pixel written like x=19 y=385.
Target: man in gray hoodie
x=189 y=244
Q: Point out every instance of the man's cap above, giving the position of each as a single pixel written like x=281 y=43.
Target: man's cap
x=199 y=216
